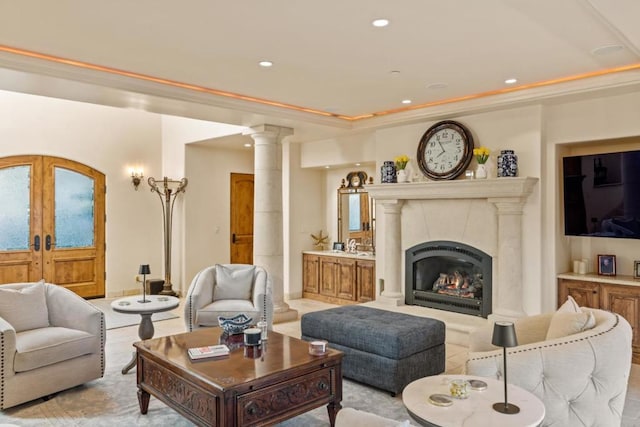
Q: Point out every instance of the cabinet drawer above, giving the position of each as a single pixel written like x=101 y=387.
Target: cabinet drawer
x=295 y=395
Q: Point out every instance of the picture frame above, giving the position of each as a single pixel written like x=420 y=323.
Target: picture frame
x=338 y=246
x=636 y=269
x=607 y=265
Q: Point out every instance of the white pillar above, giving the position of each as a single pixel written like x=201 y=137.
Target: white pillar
x=392 y=244
x=507 y=298
x=268 y=237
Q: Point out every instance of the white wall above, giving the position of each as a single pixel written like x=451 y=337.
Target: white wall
x=600 y=123
x=516 y=129
x=109 y=140
x=206 y=203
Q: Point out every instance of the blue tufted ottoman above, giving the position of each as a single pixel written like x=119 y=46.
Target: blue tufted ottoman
x=381 y=348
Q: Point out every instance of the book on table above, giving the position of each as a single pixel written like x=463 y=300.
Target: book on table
x=208 y=351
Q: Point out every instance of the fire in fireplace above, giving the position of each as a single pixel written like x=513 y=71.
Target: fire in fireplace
x=449 y=276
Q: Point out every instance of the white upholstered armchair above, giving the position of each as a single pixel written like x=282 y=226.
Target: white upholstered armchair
x=51 y=340
x=227 y=290
x=581 y=378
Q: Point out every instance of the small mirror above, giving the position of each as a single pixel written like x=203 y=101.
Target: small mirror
x=355 y=214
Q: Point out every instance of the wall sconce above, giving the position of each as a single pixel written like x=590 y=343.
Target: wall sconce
x=136 y=177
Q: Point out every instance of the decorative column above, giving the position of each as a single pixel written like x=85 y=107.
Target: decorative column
x=392 y=244
x=507 y=298
x=268 y=238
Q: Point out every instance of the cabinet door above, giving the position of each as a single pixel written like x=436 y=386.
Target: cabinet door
x=328 y=276
x=586 y=294
x=365 y=280
x=625 y=301
x=310 y=273
x=346 y=269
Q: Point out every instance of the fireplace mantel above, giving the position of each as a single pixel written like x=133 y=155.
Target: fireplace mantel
x=459 y=189
x=508 y=195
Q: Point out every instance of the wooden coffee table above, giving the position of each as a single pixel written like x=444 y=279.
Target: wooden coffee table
x=252 y=386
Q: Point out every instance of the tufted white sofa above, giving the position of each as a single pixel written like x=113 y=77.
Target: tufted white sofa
x=580 y=378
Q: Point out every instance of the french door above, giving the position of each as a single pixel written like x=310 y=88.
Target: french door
x=52 y=223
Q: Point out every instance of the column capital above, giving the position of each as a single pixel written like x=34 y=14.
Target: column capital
x=268 y=131
x=508 y=205
x=393 y=206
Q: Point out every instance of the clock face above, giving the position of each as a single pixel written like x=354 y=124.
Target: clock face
x=445 y=150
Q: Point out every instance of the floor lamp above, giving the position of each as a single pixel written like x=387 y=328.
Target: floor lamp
x=167 y=193
x=504 y=335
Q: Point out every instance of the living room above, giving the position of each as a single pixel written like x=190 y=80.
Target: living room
x=584 y=116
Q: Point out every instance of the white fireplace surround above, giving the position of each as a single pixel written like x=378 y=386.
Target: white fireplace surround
x=486 y=214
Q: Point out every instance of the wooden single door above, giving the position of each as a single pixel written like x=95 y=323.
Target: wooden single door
x=53 y=226
x=241 y=218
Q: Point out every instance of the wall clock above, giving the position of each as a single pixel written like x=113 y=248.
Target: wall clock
x=445 y=150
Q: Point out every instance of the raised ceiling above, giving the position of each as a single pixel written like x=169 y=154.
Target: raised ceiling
x=328 y=58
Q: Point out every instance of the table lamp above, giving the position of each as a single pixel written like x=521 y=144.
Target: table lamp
x=504 y=335
x=144 y=270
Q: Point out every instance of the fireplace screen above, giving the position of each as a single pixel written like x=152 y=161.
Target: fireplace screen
x=450 y=276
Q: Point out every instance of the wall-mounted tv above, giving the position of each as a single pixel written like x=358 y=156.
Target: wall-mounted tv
x=602 y=195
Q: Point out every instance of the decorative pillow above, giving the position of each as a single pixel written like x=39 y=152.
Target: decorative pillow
x=25 y=308
x=234 y=282
x=570 y=319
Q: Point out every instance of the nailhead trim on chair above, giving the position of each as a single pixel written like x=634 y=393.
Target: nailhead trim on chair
x=555 y=344
x=102 y=341
x=2 y=370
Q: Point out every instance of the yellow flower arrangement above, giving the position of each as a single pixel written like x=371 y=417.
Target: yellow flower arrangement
x=482 y=154
x=401 y=161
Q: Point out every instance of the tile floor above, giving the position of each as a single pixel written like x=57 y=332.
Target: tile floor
x=456 y=354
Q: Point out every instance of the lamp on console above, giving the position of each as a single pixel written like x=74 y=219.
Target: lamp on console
x=144 y=270
x=504 y=335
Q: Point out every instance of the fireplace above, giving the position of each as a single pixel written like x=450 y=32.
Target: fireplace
x=449 y=276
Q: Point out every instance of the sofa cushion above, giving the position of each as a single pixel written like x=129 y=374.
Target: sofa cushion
x=36 y=348
x=570 y=319
x=233 y=282
x=25 y=308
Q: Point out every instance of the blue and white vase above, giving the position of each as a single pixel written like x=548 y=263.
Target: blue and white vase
x=388 y=172
x=507 y=164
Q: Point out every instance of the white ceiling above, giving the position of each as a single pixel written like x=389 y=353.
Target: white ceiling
x=327 y=56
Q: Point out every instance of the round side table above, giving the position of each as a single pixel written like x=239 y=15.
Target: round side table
x=133 y=305
x=475 y=411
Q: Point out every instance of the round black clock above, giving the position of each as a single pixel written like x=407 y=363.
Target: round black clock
x=445 y=150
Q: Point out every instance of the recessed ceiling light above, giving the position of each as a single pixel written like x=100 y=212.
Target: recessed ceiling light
x=247 y=145
x=510 y=81
x=435 y=86
x=327 y=167
x=394 y=73
x=606 y=50
x=380 y=23
x=265 y=64
x=406 y=101
x=357 y=164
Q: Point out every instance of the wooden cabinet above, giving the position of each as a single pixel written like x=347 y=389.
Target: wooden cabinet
x=310 y=270
x=623 y=299
x=338 y=279
x=366 y=281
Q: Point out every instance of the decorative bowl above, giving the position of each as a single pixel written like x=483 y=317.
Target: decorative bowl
x=236 y=324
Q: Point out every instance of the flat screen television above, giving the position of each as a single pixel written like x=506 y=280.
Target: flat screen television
x=602 y=195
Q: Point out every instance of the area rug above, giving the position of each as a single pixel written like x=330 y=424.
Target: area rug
x=112 y=401
x=115 y=320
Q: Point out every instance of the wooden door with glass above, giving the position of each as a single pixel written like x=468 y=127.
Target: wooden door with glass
x=52 y=225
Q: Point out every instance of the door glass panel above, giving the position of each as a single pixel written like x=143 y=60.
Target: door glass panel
x=14 y=219
x=73 y=209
